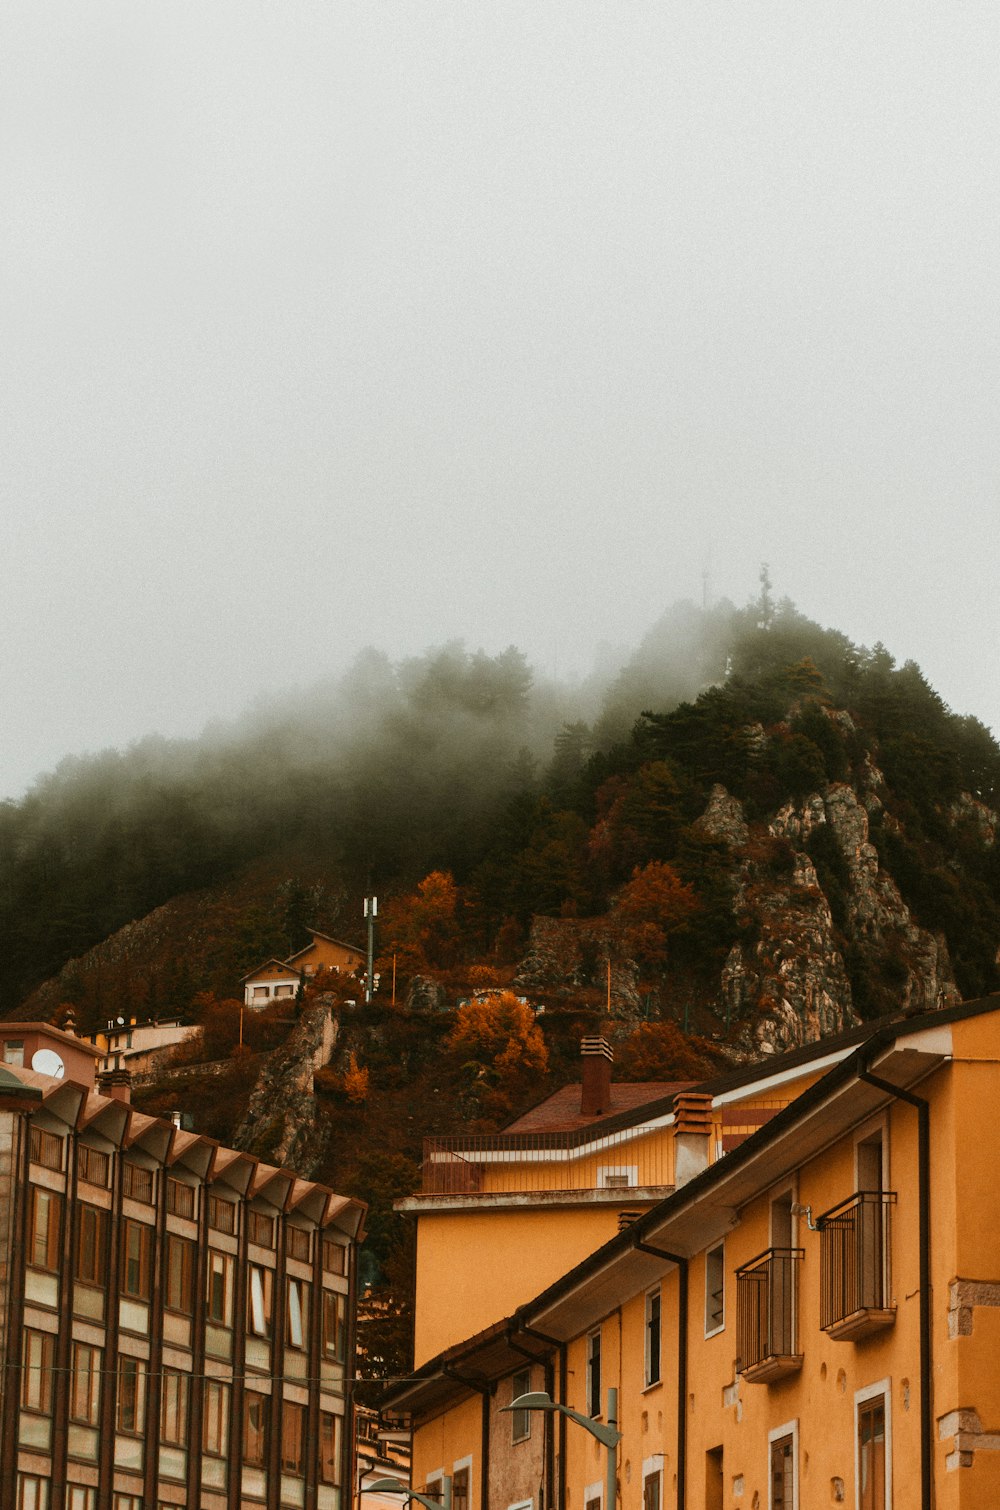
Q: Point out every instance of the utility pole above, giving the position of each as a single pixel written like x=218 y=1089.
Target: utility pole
x=371 y=913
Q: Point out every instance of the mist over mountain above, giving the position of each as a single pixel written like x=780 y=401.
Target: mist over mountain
x=534 y=797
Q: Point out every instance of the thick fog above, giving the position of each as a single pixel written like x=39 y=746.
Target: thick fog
x=340 y=325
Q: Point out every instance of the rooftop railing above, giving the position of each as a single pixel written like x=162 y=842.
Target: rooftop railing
x=512 y=1163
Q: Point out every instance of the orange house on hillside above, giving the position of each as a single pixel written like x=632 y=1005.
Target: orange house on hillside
x=276 y=978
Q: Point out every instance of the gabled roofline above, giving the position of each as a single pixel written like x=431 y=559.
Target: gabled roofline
x=329 y=939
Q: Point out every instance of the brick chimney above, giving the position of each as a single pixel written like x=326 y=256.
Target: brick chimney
x=597 y=1058
x=692 y=1135
x=117 y=1084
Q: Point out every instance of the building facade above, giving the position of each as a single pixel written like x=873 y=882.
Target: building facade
x=175 y=1316
x=810 y=1319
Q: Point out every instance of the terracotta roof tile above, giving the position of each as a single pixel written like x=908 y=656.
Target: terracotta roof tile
x=560 y=1112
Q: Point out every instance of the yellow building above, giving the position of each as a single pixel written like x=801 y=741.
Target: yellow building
x=810 y=1319
x=561 y=1180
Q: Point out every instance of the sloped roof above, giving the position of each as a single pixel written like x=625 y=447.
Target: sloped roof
x=561 y=1112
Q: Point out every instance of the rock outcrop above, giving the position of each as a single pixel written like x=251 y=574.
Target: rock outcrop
x=280 y=1122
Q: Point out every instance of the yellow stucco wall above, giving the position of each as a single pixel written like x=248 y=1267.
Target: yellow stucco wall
x=475 y=1267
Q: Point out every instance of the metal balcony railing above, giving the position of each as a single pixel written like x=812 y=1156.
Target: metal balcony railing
x=766 y=1294
x=855 y=1248
x=518 y=1163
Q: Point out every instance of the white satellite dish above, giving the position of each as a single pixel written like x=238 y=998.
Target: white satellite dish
x=48 y=1062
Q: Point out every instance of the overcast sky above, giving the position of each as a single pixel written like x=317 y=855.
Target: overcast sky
x=389 y=322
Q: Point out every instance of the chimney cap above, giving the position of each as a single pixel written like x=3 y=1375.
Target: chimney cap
x=596 y=1044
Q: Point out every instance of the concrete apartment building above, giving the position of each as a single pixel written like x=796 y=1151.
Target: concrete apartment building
x=810 y=1316
x=175 y=1316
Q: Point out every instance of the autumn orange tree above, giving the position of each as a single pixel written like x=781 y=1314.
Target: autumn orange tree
x=500 y=1046
x=650 y=908
x=422 y=928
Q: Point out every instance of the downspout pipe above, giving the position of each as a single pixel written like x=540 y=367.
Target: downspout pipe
x=682 y=1361
x=924 y=1217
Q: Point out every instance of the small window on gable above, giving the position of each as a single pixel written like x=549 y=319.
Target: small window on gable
x=93 y=1165
x=297 y=1240
x=180 y=1198
x=221 y=1214
x=46 y=1149
x=715 y=1289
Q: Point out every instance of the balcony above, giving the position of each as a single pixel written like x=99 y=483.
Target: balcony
x=855 y=1276
x=480 y=1165
x=766 y=1296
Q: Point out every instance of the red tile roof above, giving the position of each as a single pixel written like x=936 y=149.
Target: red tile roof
x=560 y=1112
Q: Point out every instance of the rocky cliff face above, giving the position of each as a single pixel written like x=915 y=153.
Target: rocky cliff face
x=792 y=982
x=280 y=1124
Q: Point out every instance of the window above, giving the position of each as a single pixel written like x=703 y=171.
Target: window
x=215 y=1419
x=334 y=1257
x=782 y=1446
x=261 y=1229
x=873 y=1459
x=293 y=1419
x=80 y=1497
x=180 y=1198
x=174 y=1408
x=13 y=1053
x=298 y=1301
x=594 y=1374
x=651 y=1481
x=93 y=1165
x=329 y=1448
x=92 y=1246
x=136 y=1247
x=36 y=1381
x=334 y=1315
x=127 y=1502
x=43 y=1236
x=259 y=1301
x=652 y=1337
x=131 y=1407
x=221 y=1214
x=46 y=1149
x=254 y=1428
x=520 y=1421
x=85 y=1384
x=460 y=1487
x=715 y=1290
x=137 y=1182
x=220 y=1288
x=179 y=1274
x=32 y=1492
x=298 y=1243
x=618 y=1176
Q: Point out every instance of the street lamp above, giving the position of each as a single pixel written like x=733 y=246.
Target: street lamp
x=608 y=1434
x=393 y=1486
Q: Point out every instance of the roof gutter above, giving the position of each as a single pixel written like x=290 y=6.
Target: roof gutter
x=924 y=1242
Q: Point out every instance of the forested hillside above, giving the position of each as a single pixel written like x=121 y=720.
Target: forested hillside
x=653 y=815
